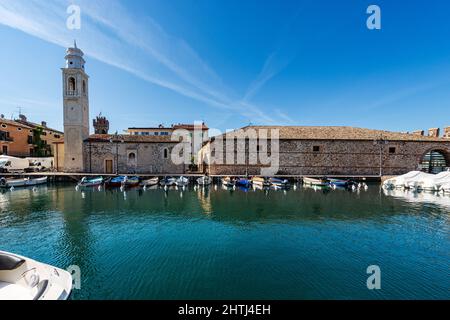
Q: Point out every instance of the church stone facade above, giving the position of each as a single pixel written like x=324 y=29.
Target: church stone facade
x=127 y=154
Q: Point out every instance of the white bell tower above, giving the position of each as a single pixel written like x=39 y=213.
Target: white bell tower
x=76 y=109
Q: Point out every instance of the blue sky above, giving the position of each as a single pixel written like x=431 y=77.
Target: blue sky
x=231 y=63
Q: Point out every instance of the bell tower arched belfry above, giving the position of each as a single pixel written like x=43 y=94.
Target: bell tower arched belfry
x=76 y=109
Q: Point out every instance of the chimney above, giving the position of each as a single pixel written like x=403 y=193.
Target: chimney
x=447 y=132
x=419 y=133
x=44 y=124
x=434 y=132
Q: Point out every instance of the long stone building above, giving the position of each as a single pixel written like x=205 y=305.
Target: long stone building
x=326 y=151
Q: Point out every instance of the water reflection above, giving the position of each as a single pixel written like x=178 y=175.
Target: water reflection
x=223 y=243
x=435 y=198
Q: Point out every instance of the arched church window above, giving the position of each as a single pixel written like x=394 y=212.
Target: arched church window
x=166 y=153
x=84 y=87
x=72 y=84
x=132 y=157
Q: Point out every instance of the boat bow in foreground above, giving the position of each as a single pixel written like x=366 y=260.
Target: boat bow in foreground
x=25 y=279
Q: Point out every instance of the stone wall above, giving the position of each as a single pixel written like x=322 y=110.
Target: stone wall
x=148 y=158
x=333 y=157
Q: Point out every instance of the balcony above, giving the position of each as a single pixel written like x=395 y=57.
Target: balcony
x=72 y=93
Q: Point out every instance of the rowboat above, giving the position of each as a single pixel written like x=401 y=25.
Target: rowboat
x=278 y=183
x=150 y=182
x=18 y=183
x=242 y=182
x=131 y=182
x=315 y=182
x=25 y=279
x=115 y=182
x=338 y=183
x=168 y=182
x=204 y=181
x=92 y=182
x=228 y=182
x=259 y=181
x=182 y=182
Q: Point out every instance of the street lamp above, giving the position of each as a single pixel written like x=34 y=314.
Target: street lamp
x=381 y=143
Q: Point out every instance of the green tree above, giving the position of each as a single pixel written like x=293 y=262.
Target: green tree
x=40 y=146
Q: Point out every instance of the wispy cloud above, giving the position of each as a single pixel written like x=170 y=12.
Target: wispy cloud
x=286 y=50
x=134 y=43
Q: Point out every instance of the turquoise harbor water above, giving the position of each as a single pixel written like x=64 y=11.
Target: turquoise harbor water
x=216 y=244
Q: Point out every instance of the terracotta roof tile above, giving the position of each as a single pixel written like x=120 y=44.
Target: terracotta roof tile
x=130 y=138
x=341 y=133
x=14 y=123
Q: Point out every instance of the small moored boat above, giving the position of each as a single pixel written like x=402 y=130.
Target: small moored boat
x=90 y=182
x=338 y=183
x=243 y=182
x=228 y=182
x=168 y=182
x=182 y=182
x=18 y=183
x=278 y=183
x=259 y=181
x=25 y=279
x=115 y=182
x=131 y=182
x=150 y=182
x=316 y=182
x=204 y=181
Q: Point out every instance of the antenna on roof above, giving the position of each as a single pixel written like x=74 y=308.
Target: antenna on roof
x=75 y=44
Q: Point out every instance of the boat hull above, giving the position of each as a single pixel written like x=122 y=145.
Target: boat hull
x=150 y=183
x=91 y=183
x=20 y=183
x=316 y=182
x=22 y=278
x=204 y=181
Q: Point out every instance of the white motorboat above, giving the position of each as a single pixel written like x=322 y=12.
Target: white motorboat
x=182 y=182
x=400 y=181
x=315 y=182
x=415 y=182
x=445 y=188
x=204 y=181
x=228 y=182
x=150 y=182
x=168 y=182
x=25 y=279
x=17 y=183
x=260 y=182
x=434 y=182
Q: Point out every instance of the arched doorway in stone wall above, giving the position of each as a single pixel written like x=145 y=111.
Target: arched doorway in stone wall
x=435 y=161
